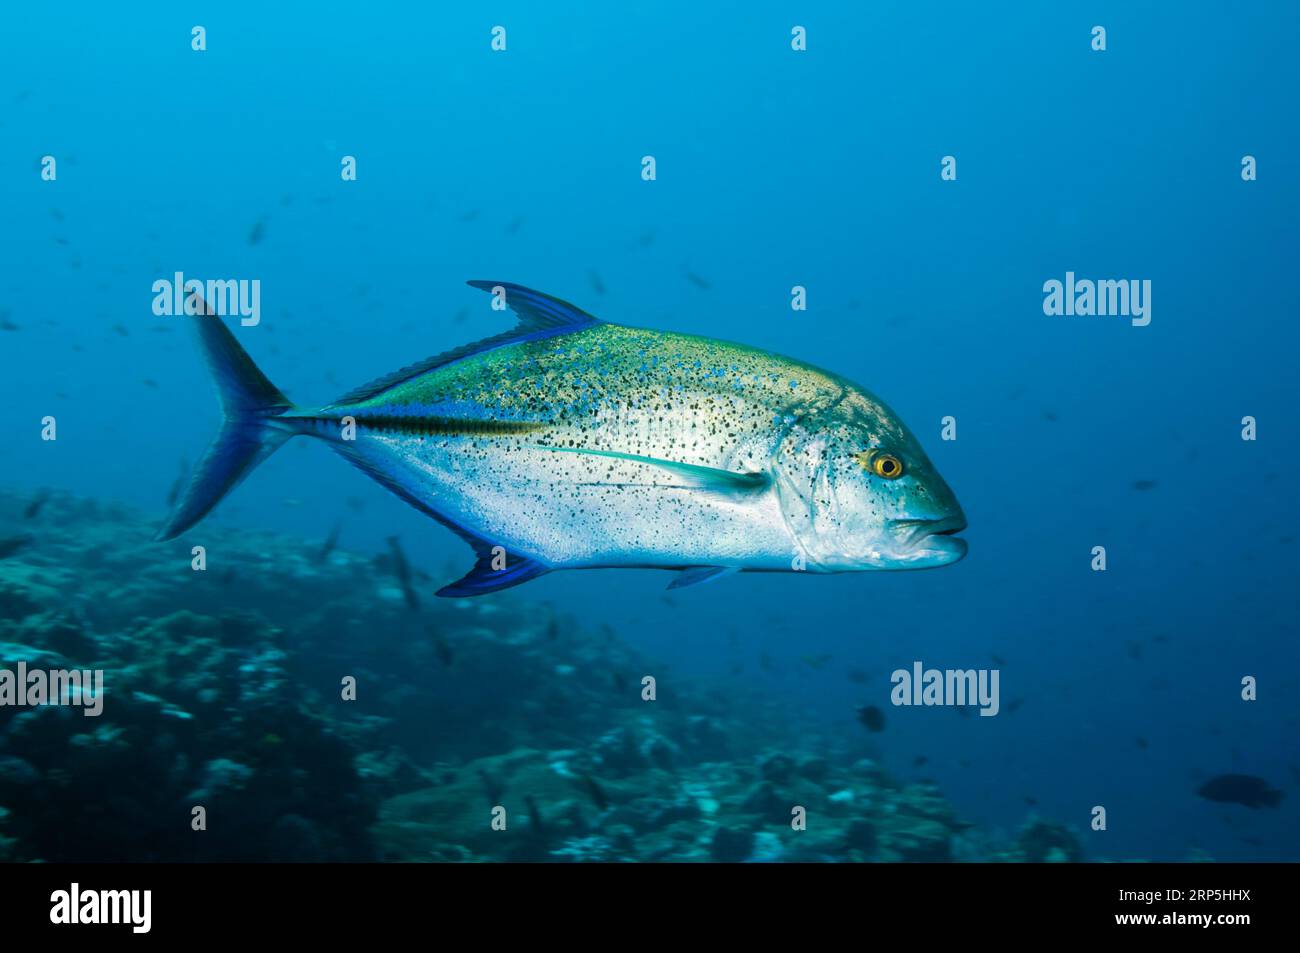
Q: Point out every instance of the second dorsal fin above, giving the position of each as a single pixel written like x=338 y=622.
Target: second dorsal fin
x=540 y=316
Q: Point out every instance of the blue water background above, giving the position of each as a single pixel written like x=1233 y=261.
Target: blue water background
x=775 y=169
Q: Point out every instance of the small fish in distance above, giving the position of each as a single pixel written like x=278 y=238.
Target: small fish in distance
x=1244 y=789
x=872 y=717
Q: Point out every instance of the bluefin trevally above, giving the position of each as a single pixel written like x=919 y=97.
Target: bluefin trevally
x=572 y=443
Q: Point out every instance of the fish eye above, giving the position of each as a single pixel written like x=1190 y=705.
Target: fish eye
x=884 y=465
x=887 y=466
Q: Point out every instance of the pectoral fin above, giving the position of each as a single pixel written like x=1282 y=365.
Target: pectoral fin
x=708 y=479
x=698 y=574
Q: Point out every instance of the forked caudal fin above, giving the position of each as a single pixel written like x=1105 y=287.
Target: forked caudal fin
x=248 y=435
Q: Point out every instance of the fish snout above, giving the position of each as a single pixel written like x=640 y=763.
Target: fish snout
x=931 y=542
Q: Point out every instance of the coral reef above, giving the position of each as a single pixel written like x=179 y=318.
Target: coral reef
x=486 y=730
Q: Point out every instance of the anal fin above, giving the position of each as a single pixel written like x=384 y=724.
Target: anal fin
x=483 y=578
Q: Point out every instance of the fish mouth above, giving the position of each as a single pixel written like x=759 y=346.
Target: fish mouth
x=933 y=536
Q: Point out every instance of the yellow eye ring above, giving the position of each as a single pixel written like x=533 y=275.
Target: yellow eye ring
x=887 y=466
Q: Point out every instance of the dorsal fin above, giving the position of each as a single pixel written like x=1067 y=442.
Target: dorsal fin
x=540 y=316
x=537 y=310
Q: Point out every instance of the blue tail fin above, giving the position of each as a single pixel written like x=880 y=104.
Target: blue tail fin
x=249 y=434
